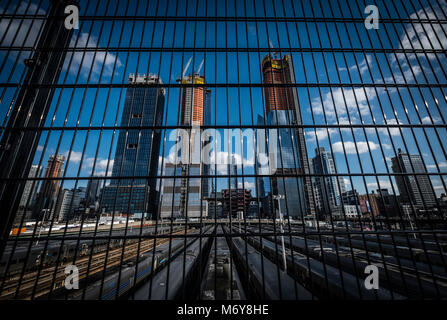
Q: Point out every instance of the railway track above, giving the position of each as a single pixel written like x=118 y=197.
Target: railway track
x=402 y=276
x=49 y=281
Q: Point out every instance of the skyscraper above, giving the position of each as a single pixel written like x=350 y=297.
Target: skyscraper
x=327 y=191
x=193 y=101
x=282 y=108
x=67 y=203
x=188 y=192
x=49 y=189
x=29 y=195
x=263 y=182
x=414 y=189
x=94 y=188
x=233 y=172
x=137 y=151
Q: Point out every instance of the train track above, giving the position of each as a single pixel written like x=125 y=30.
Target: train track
x=52 y=278
x=401 y=277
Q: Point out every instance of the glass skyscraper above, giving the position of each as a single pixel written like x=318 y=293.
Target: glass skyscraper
x=327 y=190
x=137 y=150
x=414 y=189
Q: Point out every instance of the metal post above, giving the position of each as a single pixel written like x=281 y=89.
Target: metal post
x=41 y=224
x=411 y=224
x=279 y=197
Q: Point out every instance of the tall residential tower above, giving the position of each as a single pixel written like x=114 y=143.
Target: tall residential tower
x=46 y=200
x=327 y=191
x=413 y=189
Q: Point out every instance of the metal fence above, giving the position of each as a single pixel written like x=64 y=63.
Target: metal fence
x=202 y=150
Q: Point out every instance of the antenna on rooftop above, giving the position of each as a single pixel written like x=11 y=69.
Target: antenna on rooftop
x=186 y=67
x=200 y=67
x=275 y=54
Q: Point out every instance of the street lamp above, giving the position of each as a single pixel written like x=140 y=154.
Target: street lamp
x=279 y=197
x=411 y=224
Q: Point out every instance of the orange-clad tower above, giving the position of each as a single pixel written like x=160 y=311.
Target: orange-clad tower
x=49 y=189
x=193 y=101
x=277 y=71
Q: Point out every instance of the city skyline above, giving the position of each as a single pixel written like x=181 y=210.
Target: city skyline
x=223 y=150
x=196 y=100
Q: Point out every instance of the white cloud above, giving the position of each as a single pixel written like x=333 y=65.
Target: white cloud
x=362 y=65
x=387 y=146
x=419 y=35
x=75 y=156
x=100 y=166
x=350 y=147
x=427 y=119
x=86 y=58
x=246 y=185
x=416 y=36
x=320 y=133
x=394 y=131
x=442 y=166
x=102 y=163
x=355 y=101
x=384 y=184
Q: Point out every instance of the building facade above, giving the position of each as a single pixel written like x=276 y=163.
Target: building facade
x=369 y=204
x=49 y=189
x=282 y=108
x=68 y=203
x=29 y=196
x=236 y=202
x=327 y=188
x=414 y=189
x=137 y=151
x=185 y=196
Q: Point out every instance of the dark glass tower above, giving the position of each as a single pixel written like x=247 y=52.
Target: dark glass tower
x=417 y=189
x=327 y=191
x=137 y=151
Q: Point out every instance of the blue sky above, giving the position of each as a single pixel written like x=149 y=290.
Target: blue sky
x=324 y=105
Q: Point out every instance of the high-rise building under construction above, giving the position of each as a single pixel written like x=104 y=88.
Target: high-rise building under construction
x=184 y=196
